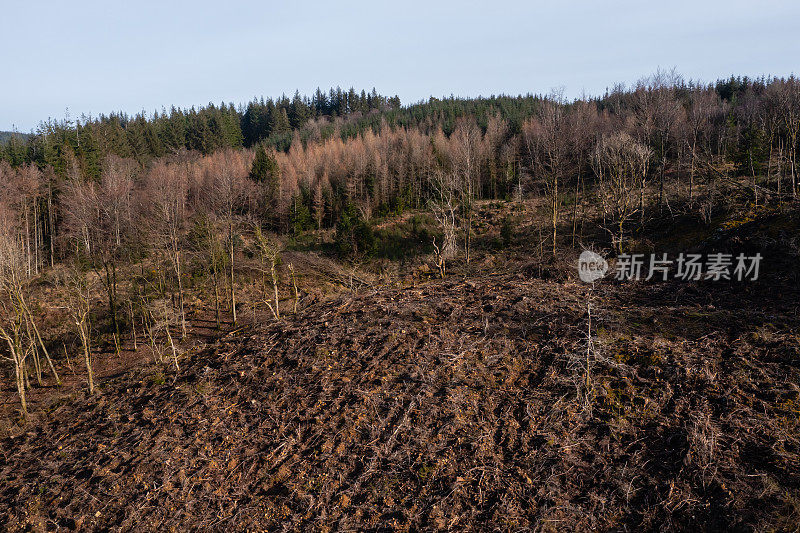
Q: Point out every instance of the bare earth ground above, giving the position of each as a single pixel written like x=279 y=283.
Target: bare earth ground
x=451 y=404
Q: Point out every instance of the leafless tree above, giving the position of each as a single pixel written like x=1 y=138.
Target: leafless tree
x=12 y=319
x=698 y=115
x=789 y=105
x=228 y=188
x=269 y=252
x=77 y=290
x=166 y=194
x=466 y=145
x=20 y=330
x=620 y=164
x=546 y=139
x=657 y=115
x=443 y=204
x=100 y=219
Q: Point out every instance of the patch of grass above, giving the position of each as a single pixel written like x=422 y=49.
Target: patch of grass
x=157 y=378
x=425 y=470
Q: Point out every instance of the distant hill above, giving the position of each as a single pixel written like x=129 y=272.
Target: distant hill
x=5 y=136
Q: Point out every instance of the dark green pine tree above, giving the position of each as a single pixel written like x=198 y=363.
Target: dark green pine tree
x=114 y=137
x=261 y=165
x=152 y=141
x=89 y=153
x=16 y=150
x=255 y=122
x=299 y=112
x=136 y=137
x=320 y=103
x=266 y=172
x=173 y=131
x=232 y=127
x=353 y=103
x=280 y=122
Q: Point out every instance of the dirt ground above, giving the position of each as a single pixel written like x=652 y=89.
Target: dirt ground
x=455 y=404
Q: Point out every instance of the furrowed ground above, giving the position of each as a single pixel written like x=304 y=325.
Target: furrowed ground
x=460 y=404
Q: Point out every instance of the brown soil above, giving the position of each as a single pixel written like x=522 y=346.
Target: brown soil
x=455 y=404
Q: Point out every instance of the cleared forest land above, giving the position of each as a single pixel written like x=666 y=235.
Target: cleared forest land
x=463 y=403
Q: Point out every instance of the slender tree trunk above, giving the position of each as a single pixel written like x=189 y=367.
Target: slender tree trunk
x=641 y=201
x=171 y=341
x=111 y=290
x=294 y=289
x=50 y=231
x=555 y=212
x=83 y=331
x=178 y=272
x=19 y=370
x=577 y=196
x=780 y=168
x=214 y=273
x=792 y=158
x=133 y=325
x=274 y=273
x=39 y=338
x=35 y=236
x=28 y=238
x=469 y=233
x=233 y=290
x=37 y=364
x=691 y=170
x=18 y=359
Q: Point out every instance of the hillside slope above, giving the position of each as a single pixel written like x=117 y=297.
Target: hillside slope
x=452 y=404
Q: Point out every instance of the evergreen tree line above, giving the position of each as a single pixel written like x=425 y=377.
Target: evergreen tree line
x=205 y=130
x=363 y=154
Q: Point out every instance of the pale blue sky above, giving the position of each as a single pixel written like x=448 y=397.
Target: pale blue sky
x=101 y=56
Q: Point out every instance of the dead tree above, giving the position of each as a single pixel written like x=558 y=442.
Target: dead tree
x=295 y=293
x=11 y=332
x=12 y=318
x=698 y=117
x=211 y=249
x=789 y=105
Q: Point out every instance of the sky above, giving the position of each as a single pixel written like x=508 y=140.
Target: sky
x=98 y=57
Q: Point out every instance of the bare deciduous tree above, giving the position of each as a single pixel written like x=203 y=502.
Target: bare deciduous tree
x=269 y=252
x=77 y=290
x=545 y=138
x=466 y=150
x=227 y=188
x=444 y=206
x=621 y=165
x=166 y=190
x=100 y=218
